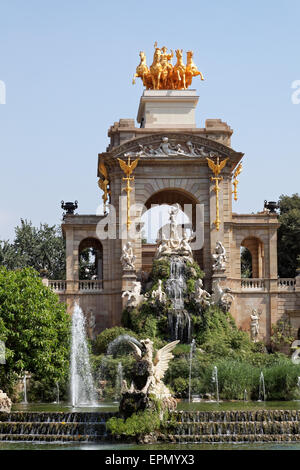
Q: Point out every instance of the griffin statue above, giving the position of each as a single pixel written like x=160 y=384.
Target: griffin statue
x=147 y=378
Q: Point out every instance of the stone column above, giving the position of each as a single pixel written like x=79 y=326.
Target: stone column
x=72 y=263
x=216 y=235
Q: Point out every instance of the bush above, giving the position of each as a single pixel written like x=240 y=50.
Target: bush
x=180 y=387
x=160 y=270
x=148 y=320
x=138 y=424
x=283 y=334
x=281 y=380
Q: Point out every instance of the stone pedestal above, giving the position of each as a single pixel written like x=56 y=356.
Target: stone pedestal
x=168 y=109
x=219 y=276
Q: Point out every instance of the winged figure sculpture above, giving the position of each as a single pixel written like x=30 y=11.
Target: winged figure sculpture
x=102 y=168
x=216 y=168
x=128 y=167
x=149 y=372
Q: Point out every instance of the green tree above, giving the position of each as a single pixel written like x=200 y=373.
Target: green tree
x=41 y=248
x=35 y=328
x=289 y=235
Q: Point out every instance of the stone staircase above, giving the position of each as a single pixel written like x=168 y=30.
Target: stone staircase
x=53 y=427
x=233 y=426
x=182 y=426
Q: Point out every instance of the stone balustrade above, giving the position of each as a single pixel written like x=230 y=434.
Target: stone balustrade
x=286 y=283
x=90 y=285
x=253 y=283
x=85 y=286
x=57 y=286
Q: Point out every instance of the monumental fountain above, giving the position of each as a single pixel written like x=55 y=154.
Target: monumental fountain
x=171 y=294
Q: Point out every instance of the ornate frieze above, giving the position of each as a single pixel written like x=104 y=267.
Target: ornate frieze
x=169 y=147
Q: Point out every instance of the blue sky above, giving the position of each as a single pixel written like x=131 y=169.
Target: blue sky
x=68 y=65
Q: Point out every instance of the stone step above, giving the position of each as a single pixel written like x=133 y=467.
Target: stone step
x=93 y=429
x=235 y=416
x=49 y=438
x=224 y=438
x=56 y=417
x=230 y=428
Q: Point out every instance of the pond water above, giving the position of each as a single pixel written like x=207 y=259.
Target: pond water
x=65 y=407
x=159 y=447
x=182 y=405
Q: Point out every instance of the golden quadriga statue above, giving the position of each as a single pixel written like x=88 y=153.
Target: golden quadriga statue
x=162 y=75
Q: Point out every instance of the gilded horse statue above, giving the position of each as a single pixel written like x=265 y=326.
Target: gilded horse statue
x=143 y=72
x=191 y=69
x=179 y=72
x=162 y=75
x=156 y=68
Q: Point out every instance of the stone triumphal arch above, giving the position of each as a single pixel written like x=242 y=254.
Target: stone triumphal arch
x=172 y=156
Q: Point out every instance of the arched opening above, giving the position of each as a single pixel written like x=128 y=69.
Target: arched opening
x=246 y=263
x=90 y=259
x=157 y=215
x=252 y=257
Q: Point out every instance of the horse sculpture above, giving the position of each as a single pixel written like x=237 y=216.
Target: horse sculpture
x=156 y=68
x=143 y=72
x=191 y=69
x=162 y=75
x=179 y=71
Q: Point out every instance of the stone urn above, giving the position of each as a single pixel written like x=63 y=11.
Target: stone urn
x=5 y=402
